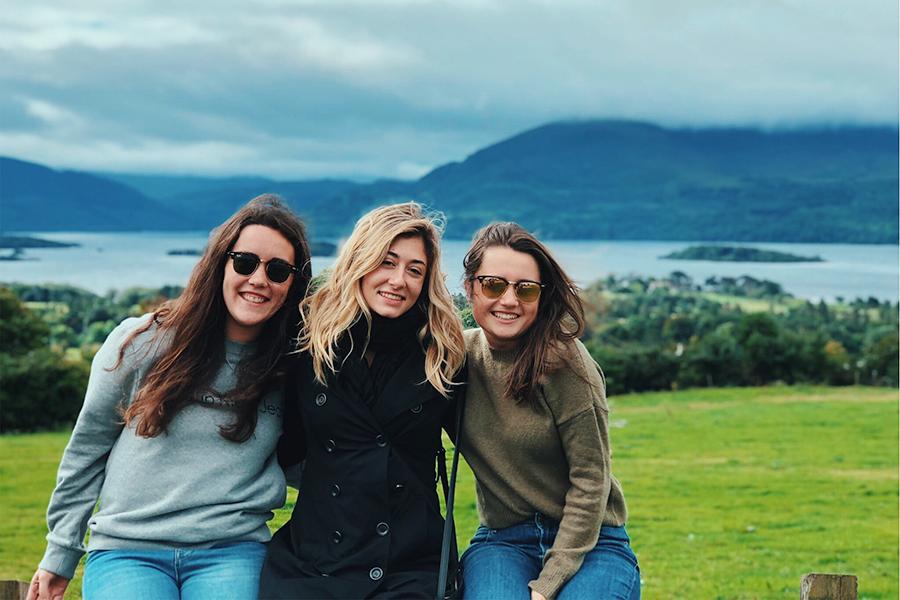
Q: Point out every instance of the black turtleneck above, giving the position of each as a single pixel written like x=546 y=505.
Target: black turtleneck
x=391 y=341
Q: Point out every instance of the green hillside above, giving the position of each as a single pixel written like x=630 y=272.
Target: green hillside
x=592 y=179
x=733 y=492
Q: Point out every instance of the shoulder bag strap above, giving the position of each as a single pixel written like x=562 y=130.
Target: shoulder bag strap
x=449 y=537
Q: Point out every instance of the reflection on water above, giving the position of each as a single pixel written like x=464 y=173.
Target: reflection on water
x=107 y=261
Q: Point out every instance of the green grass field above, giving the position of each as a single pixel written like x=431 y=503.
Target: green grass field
x=733 y=493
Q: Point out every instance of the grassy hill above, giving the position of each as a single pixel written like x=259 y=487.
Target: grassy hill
x=34 y=197
x=591 y=179
x=733 y=493
x=607 y=179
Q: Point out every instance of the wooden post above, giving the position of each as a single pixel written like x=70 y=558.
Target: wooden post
x=826 y=586
x=13 y=590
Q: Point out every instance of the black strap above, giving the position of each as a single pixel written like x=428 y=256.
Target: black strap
x=449 y=537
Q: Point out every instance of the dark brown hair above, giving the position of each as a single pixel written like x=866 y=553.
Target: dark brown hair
x=560 y=316
x=194 y=324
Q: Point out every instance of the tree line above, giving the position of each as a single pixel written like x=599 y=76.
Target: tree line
x=670 y=333
x=647 y=334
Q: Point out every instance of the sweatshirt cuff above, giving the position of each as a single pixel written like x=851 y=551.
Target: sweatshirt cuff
x=548 y=584
x=61 y=560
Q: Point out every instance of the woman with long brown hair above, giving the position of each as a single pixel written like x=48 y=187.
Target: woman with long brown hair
x=535 y=434
x=179 y=427
x=381 y=348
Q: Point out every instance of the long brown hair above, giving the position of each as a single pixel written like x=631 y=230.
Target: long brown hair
x=560 y=316
x=195 y=324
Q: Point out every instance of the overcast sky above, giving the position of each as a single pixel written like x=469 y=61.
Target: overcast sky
x=392 y=88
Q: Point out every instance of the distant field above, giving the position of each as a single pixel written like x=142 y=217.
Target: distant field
x=733 y=493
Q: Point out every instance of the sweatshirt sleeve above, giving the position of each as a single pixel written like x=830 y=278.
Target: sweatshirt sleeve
x=81 y=471
x=585 y=440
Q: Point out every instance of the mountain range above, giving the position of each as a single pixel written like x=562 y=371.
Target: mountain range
x=602 y=179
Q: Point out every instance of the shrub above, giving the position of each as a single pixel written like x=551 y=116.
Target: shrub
x=40 y=390
x=39 y=387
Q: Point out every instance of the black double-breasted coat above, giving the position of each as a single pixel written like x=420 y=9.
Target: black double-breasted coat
x=367 y=522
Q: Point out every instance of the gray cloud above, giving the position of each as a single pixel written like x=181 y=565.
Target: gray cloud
x=393 y=87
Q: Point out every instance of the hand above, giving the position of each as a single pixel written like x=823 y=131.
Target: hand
x=537 y=596
x=47 y=586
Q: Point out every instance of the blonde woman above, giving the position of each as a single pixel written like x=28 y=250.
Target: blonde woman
x=380 y=349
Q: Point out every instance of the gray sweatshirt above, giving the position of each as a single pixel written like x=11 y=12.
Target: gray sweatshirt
x=186 y=488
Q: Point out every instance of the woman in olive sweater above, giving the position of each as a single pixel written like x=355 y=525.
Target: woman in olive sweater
x=535 y=434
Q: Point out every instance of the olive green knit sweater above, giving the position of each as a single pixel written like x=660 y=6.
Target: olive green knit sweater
x=553 y=460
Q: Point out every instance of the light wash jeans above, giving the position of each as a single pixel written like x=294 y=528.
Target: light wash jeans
x=227 y=572
x=499 y=563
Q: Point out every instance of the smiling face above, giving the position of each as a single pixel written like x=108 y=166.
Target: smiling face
x=395 y=285
x=505 y=319
x=253 y=299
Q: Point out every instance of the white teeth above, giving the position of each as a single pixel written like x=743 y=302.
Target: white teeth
x=505 y=316
x=391 y=296
x=253 y=298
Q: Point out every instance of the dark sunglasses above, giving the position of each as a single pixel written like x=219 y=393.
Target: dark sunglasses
x=277 y=270
x=493 y=287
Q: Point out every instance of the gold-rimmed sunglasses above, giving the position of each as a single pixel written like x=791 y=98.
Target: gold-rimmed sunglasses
x=493 y=287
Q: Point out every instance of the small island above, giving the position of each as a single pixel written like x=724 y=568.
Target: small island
x=738 y=254
x=322 y=248
x=20 y=242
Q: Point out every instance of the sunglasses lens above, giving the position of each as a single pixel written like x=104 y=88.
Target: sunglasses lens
x=245 y=264
x=527 y=291
x=278 y=271
x=493 y=287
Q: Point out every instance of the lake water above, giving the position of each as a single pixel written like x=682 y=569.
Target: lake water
x=106 y=261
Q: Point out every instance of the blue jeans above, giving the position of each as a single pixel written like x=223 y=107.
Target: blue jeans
x=499 y=563
x=229 y=572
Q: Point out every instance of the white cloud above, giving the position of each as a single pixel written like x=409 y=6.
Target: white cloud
x=306 y=42
x=394 y=87
x=144 y=155
x=52 y=114
x=45 y=28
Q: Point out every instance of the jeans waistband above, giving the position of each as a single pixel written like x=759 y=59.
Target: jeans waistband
x=616 y=532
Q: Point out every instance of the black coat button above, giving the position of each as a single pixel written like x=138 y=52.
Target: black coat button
x=329 y=446
x=399 y=487
x=380 y=440
x=321 y=399
x=376 y=573
x=335 y=490
x=336 y=537
x=382 y=529
x=416 y=409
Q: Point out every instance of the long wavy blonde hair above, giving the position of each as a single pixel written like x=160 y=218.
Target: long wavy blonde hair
x=339 y=303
